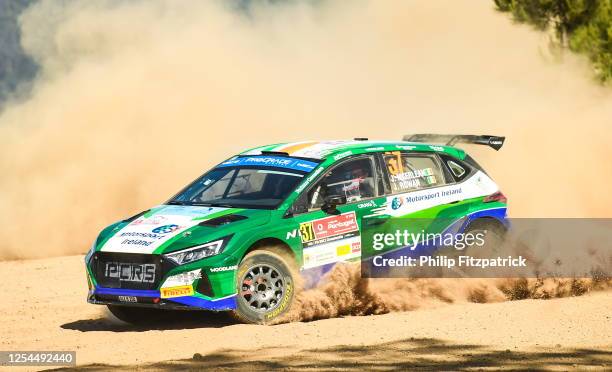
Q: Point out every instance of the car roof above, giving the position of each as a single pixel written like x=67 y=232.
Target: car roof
x=341 y=148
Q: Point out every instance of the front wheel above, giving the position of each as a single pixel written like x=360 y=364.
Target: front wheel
x=265 y=287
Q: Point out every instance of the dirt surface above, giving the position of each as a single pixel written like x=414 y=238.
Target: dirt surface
x=44 y=309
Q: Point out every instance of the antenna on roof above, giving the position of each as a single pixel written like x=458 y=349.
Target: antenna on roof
x=360 y=138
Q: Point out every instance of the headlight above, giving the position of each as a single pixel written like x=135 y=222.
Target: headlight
x=196 y=253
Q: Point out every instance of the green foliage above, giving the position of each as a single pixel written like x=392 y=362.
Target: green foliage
x=585 y=26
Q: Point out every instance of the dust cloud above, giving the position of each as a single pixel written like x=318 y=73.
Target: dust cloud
x=344 y=292
x=136 y=98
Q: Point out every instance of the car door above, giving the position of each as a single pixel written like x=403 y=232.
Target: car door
x=422 y=197
x=421 y=187
x=331 y=236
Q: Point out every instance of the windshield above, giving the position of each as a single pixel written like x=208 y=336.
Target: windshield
x=260 y=182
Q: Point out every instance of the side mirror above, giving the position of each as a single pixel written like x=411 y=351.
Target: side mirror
x=331 y=202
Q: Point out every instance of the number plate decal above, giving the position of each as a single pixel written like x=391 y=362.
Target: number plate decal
x=127 y=298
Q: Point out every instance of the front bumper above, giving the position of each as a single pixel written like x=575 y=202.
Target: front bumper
x=198 y=286
x=152 y=299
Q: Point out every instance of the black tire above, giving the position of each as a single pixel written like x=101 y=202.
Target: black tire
x=494 y=234
x=136 y=315
x=265 y=285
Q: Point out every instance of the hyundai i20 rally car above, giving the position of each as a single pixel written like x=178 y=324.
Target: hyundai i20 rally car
x=238 y=237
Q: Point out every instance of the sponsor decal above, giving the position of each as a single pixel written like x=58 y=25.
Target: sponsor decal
x=283 y=304
x=307 y=166
x=406 y=147
x=433 y=195
x=142 y=238
x=330 y=239
x=155 y=220
x=222 y=268
x=166 y=229
x=308 y=180
x=368 y=204
x=417 y=200
x=343 y=250
x=183 y=290
x=437 y=148
x=129 y=272
x=396 y=203
x=270 y=161
x=411 y=179
x=146 y=235
x=185 y=278
x=375 y=149
x=327 y=253
x=181 y=211
x=328 y=227
x=342 y=155
x=292 y=234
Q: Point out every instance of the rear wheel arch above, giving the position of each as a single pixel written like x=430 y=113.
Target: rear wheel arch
x=486 y=222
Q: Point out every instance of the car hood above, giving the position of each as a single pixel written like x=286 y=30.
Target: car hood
x=171 y=227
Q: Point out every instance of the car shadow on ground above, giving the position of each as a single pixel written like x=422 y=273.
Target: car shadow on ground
x=170 y=320
x=408 y=354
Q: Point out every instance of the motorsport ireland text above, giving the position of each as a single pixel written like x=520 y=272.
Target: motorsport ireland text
x=443 y=261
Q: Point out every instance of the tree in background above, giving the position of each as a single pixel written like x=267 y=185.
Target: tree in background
x=584 y=26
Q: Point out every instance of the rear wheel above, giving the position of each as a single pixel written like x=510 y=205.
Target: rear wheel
x=492 y=232
x=265 y=286
x=136 y=315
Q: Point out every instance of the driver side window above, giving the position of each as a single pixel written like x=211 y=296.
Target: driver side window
x=353 y=179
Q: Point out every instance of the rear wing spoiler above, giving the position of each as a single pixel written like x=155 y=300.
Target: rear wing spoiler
x=451 y=139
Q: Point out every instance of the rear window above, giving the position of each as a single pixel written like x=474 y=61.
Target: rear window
x=457 y=170
x=409 y=171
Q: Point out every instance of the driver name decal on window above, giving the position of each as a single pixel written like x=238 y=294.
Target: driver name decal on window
x=414 y=179
x=411 y=172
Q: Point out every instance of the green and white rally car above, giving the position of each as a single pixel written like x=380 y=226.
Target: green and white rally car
x=237 y=237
